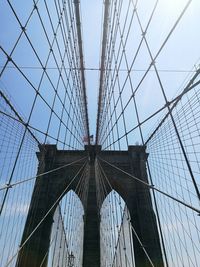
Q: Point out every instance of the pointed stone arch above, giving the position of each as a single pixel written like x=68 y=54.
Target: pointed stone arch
x=50 y=186
x=64 y=228
x=116 y=249
x=47 y=191
x=137 y=198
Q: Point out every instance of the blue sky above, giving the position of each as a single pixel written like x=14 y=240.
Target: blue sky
x=185 y=41
x=179 y=56
x=180 y=53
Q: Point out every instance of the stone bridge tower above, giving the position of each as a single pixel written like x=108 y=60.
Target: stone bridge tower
x=136 y=196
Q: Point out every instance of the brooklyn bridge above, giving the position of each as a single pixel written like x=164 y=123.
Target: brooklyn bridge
x=99 y=133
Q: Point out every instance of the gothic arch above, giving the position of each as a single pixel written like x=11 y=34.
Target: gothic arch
x=117 y=248
x=47 y=191
x=124 y=185
x=68 y=220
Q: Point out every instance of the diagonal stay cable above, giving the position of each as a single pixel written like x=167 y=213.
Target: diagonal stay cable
x=45 y=216
x=191 y=85
x=17 y=115
x=159 y=51
x=128 y=71
x=152 y=187
x=140 y=242
x=37 y=93
x=164 y=43
x=36 y=8
x=46 y=254
x=183 y=149
x=41 y=174
x=27 y=125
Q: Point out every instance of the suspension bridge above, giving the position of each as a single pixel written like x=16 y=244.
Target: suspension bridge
x=108 y=179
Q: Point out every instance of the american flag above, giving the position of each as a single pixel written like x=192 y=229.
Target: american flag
x=85 y=138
